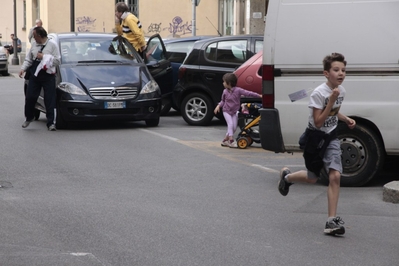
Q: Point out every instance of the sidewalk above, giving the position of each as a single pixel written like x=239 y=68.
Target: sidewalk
x=14 y=68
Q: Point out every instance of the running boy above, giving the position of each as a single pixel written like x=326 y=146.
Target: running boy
x=230 y=104
x=324 y=104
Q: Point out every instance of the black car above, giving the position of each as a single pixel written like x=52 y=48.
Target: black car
x=200 y=84
x=102 y=77
x=177 y=50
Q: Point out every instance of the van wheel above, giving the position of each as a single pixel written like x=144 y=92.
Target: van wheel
x=197 y=109
x=362 y=155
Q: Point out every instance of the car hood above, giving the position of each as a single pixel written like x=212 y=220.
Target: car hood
x=103 y=75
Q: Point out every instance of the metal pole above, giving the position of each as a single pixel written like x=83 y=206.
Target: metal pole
x=15 y=59
x=194 y=15
x=72 y=15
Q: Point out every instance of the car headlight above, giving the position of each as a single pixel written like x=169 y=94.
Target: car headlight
x=71 y=89
x=150 y=87
x=3 y=56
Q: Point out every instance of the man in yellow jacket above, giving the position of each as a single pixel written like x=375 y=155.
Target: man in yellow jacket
x=129 y=26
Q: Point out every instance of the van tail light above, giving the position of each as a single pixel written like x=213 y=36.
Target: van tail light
x=268 y=86
x=182 y=71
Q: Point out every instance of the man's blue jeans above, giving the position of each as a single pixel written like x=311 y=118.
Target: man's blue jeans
x=47 y=82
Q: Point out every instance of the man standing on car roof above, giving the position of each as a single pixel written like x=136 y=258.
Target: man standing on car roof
x=129 y=26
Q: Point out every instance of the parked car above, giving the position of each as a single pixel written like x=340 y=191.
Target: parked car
x=249 y=76
x=102 y=77
x=176 y=50
x=3 y=61
x=200 y=84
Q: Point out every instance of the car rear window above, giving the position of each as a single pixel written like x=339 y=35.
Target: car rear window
x=180 y=47
x=234 y=51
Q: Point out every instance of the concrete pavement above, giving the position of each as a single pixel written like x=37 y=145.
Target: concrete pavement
x=390 y=190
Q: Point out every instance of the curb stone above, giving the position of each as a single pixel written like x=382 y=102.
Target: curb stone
x=390 y=192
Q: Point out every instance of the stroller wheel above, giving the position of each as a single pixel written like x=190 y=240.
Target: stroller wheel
x=242 y=142
x=250 y=140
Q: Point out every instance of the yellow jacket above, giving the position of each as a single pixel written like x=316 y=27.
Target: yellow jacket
x=131 y=29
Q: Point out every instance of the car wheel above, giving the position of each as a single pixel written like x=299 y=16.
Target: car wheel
x=4 y=73
x=220 y=116
x=166 y=106
x=362 y=155
x=60 y=122
x=197 y=109
x=152 y=122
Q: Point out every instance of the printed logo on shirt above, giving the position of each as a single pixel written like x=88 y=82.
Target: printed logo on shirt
x=331 y=121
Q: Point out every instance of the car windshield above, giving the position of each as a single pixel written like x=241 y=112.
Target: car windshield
x=87 y=50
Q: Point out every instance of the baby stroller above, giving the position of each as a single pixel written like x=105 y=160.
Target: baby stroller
x=248 y=118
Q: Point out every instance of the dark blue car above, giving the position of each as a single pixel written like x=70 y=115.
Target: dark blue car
x=102 y=77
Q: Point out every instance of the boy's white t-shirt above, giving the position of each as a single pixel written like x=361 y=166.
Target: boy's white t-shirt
x=319 y=99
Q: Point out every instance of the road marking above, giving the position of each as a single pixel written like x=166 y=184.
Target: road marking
x=159 y=134
x=213 y=147
x=267 y=169
x=80 y=254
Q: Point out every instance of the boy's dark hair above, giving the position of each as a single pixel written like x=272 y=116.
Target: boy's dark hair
x=121 y=7
x=40 y=31
x=230 y=79
x=329 y=59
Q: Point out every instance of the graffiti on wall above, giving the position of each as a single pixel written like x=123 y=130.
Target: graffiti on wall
x=154 y=27
x=176 y=27
x=85 y=24
x=179 y=27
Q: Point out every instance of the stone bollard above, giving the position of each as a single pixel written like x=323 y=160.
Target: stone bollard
x=390 y=192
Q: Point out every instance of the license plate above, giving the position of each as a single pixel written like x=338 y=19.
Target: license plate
x=114 y=105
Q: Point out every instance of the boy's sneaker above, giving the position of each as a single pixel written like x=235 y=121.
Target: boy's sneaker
x=283 y=185
x=334 y=227
x=225 y=143
x=232 y=144
x=52 y=128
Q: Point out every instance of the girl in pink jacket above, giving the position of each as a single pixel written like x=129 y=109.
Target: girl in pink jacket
x=230 y=104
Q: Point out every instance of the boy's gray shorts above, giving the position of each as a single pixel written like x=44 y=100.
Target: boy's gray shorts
x=332 y=158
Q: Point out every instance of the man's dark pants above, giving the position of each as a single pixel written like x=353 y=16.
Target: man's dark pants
x=47 y=82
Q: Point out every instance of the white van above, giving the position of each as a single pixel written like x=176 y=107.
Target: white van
x=298 y=35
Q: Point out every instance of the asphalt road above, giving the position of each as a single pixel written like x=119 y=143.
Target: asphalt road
x=125 y=194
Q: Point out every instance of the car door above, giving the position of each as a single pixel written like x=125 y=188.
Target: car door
x=155 y=58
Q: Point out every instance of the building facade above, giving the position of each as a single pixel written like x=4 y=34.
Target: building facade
x=169 y=18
